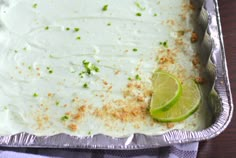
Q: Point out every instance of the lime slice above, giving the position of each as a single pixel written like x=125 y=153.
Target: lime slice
x=167 y=90
x=184 y=107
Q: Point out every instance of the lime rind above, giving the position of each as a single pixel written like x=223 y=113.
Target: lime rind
x=177 y=119
x=167 y=105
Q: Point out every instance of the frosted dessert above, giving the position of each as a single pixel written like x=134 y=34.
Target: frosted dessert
x=84 y=67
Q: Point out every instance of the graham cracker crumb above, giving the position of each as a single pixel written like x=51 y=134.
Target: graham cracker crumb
x=170 y=125
x=73 y=127
x=194 y=37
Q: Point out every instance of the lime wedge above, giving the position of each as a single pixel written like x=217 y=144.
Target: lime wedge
x=166 y=91
x=186 y=105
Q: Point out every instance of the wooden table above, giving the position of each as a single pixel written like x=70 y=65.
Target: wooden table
x=225 y=144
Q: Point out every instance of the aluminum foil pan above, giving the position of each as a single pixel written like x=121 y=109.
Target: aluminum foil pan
x=219 y=100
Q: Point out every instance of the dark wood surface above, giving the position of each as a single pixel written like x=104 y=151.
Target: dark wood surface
x=225 y=144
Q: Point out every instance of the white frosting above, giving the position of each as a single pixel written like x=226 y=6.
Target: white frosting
x=29 y=52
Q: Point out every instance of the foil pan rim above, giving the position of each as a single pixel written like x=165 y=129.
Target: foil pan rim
x=141 y=141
